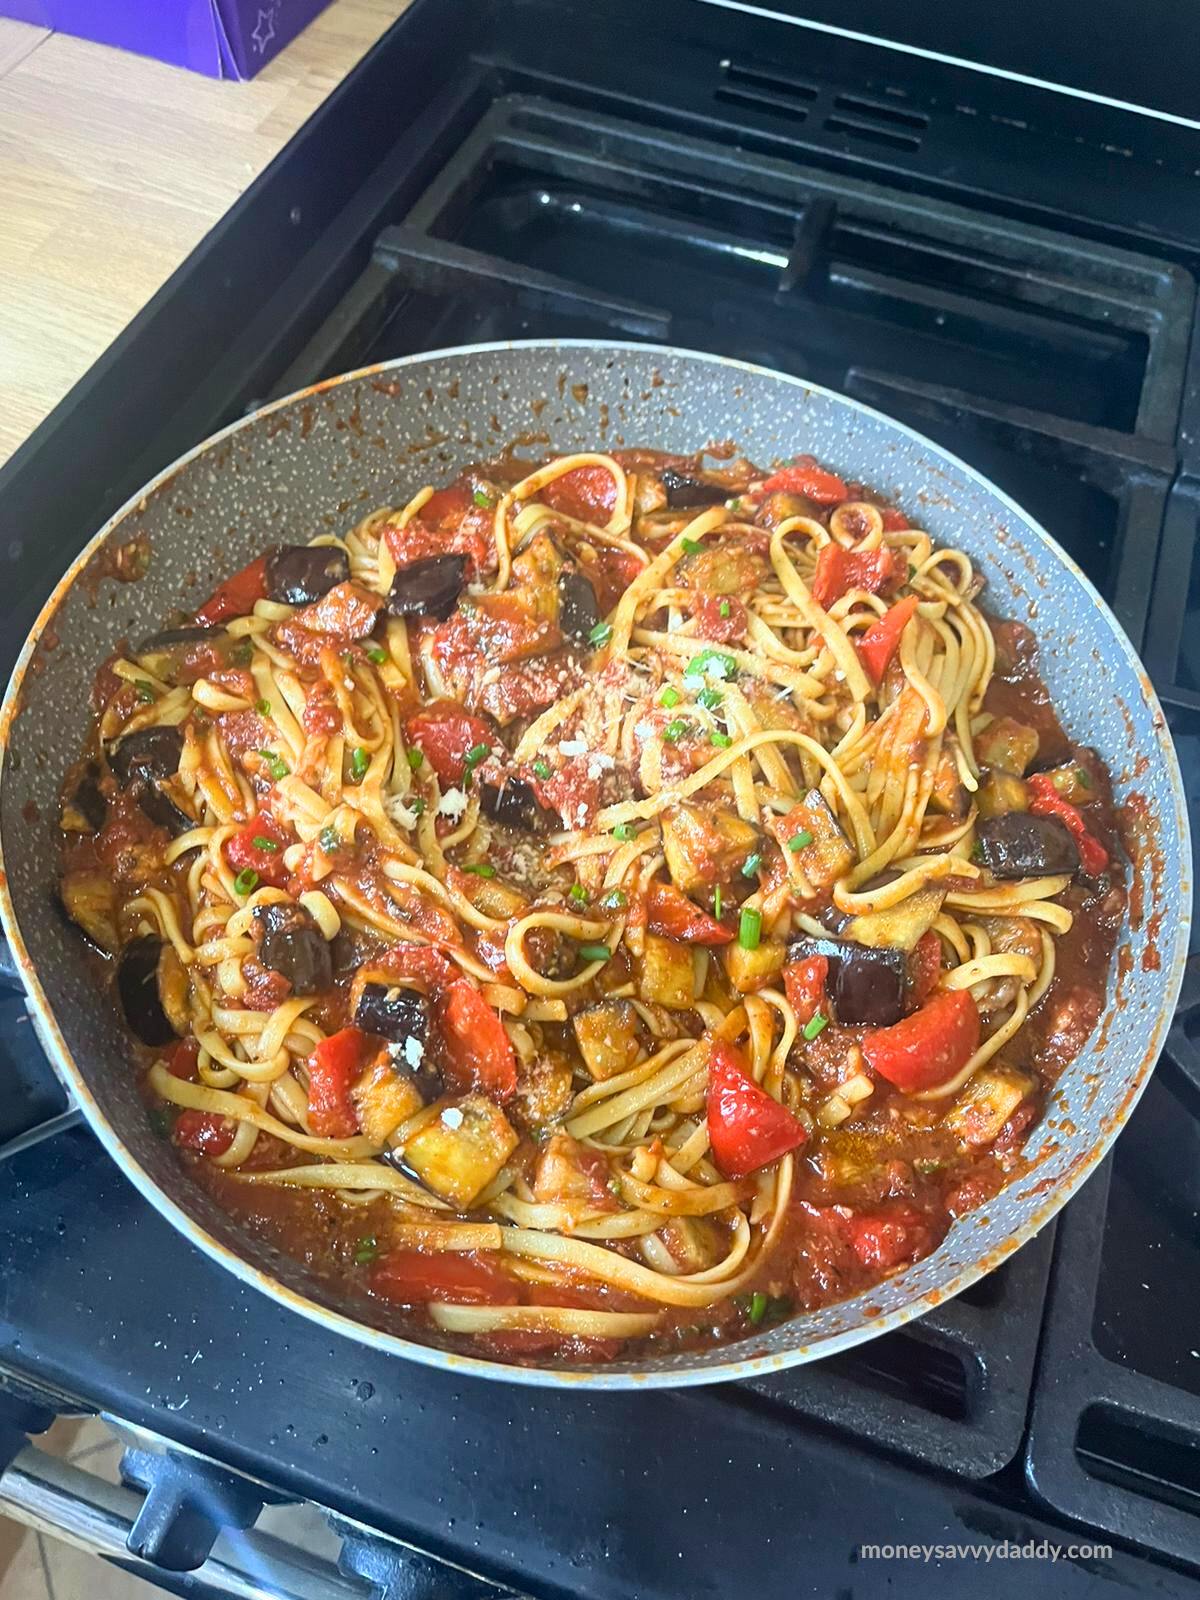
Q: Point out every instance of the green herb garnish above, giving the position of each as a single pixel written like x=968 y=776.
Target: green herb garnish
x=417 y=805
x=481 y=869
x=600 y=634
x=799 y=840
x=724 y=609
x=246 y=881
x=476 y=754
x=415 y=758
x=1083 y=778
x=623 y=831
x=359 y=762
x=579 y=894
x=762 y=1309
x=276 y=766
x=261 y=842
x=674 y=731
x=669 y=697
x=242 y=653
x=714 y=663
x=749 y=928
x=717 y=901
x=710 y=699
x=721 y=740
x=751 y=865
x=368 y=1249
x=615 y=900
x=482 y=498
x=329 y=839
x=595 y=952
x=263 y=708
x=693 y=546
x=145 y=691
x=541 y=769
x=376 y=654
x=817 y=1024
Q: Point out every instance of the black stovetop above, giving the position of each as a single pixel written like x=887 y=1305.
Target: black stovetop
x=1012 y=273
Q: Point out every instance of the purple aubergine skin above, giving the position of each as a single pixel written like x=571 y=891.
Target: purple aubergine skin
x=315 y=463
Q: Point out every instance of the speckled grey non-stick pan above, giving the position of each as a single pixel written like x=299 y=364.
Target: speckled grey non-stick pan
x=315 y=463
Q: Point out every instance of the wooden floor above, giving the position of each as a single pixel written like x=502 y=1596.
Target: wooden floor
x=113 y=167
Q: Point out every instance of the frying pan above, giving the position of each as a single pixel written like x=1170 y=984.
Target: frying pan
x=318 y=461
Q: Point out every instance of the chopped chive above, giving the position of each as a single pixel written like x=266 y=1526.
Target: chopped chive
x=721 y=740
x=600 y=634
x=246 y=881
x=242 y=653
x=481 y=869
x=714 y=663
x=751 y=865
x=145 y=691
x=595 y=952
x=476 y=754
x=615 y=900
x=817 y=1025
x=482 y=498
x=717 y=901
x=359 y=762
x=977 y=852
x=710 y=699
x=579 y=894
x=329 y=839
x=912 y=572
x=669 y=697
x=277 y=767
x=674 y=731
x=263 y=708
x=693 y=546
x=261 y=842
x=799 y=840
x=377 y=655
x=1083 y=778
x=415 y=758
x=724 y=609
x=368 y=1249
x=623 y=831
x=417 y=804
x=541 y=769
x=749 y=928
x=758 y=1307
x=162 y=1120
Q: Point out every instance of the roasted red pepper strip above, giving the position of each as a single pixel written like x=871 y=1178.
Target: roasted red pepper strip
x=478 y=1052
x=813 y=482
x=236 y=596
x=446 y=734
x=928 y=1048
x=204 y=1131
x=413 y=1278
x=672 y=915
x=332 y=1069
x=259 y=846
x=839 y=570
x=1045 y=801
x=746 y=1128
x=804 y=984
x=879 y=643
x=584 y=492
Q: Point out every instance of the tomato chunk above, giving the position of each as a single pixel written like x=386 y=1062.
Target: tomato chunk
x=721 y=617
x=804 y=985
x=584 y=493
x=879 y=643
x=925 y=967
x=449 y=523
x=672 y=915
x=1045 y=801
x=204 y=1131
x=477 y=1050
x=183 y=1059
x=259 y=847
x=237 y=595
x=806 y=478
x=446 y=734
x=884 y=1239
x=929 y=1047
x=332 y=1069
x=894 y=521
x=746 y=1128
x=414 y=1277
x=840 y=570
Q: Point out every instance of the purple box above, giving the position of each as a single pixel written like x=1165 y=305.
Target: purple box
x=222 y=38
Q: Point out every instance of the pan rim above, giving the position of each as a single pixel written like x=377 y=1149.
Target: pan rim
x=740 y=1367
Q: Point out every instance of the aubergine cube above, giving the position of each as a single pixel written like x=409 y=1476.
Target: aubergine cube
x=1021 y=845
x=865 y=985
x=684 y=490
x=85 y=808
x=578 y=609
x=291 y=944
x=428 y=588
x=512 y=803
x=394 y=1013
x=137 y=985
x=149 y=753
x=299 y=574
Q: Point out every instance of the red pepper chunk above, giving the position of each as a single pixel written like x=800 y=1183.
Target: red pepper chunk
x=236 y=596
x=671 y=915
x=720 y=617
x=879 y=643
x=478 y=1053
x=446 y=734
x=584 y=492
x=810 y=480
x=414 y=1277
x=839 y=570
x=884 y=1239
x=894 y=521
x=804 y=984
x=259 y=847
x=928 y=1048
x=204 y=1131
x=746 y=1128
x=1045 y=801
x=332 y=1069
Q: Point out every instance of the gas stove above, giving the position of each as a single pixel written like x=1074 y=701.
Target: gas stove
x=1011 y=270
